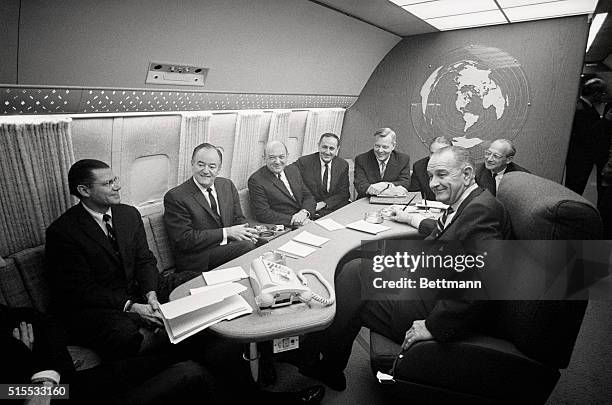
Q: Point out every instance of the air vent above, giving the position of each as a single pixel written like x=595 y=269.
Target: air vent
x=176 y=74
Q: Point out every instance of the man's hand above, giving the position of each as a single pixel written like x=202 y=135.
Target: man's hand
x=411 y=218
x=152 y=300
x=320 y=206
x=377 y=188
x=300 y=218
x=242 y=232
x=25 y=334
x=147 y=313
x=417 y=333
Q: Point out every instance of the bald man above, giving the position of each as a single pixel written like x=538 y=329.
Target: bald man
x=277 y=192
x=498 y=161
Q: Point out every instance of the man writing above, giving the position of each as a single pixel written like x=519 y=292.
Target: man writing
x=277 y=192
x=326 y=175
x=203 y=216
x=382 y=170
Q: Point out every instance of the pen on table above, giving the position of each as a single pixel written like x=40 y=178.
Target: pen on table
x=406 y=206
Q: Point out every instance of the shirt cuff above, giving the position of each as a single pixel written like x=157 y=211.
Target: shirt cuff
x=416 y=219
x=46 y=375
x=224 y=241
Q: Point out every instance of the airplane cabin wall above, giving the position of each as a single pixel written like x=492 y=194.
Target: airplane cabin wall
x=550 y=53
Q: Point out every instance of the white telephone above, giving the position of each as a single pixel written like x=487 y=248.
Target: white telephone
x=276 y=285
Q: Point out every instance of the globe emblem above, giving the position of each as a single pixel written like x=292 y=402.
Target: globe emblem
x=471 y=95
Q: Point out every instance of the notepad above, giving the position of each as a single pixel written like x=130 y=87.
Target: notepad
x=368 y=227
x=224 y=275
x=310 y=239
x=329 y=224
x=188 y=315
x=296 y=249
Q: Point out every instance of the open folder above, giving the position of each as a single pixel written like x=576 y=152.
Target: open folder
x=189 y=315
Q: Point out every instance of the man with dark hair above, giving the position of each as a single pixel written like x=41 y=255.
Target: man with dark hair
x=498 y=161
x=473 y=214
x=419 y=181
x=326 y=175
x=277 y=192
x=203 y=216
x=382 y=170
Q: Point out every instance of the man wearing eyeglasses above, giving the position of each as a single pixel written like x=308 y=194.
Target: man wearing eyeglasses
x=498 y=161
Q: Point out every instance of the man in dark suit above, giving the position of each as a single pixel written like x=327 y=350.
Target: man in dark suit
x=474 y=215
x=103 y=276
x=382 y=170
x=498 y=161
x=203 y=216
x=419 y=181
x=277 y=192
x=326 y=175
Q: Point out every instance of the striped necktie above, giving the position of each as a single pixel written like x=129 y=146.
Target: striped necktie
x=110 y=232
x=442 y=220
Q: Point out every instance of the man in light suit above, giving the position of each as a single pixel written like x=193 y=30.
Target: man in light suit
x=498 y=161
x=382 y=170
x=419 y=181
x=326 y=175
x=103 y=276
x=475 y=215
x=203 y=216
x=277 y=192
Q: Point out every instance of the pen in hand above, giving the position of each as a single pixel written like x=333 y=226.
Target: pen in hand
x=406 y=206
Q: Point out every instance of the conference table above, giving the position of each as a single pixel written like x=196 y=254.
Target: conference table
x=298 y=319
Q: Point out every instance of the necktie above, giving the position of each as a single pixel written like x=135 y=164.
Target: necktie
x=110 y=232
x=213 y=201
x=442 y=220
x=326 y=177
x=286 y=184
x=383 y=166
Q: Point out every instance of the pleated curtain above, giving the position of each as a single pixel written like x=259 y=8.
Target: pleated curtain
x=318 y=122
x=195 y=129
x=35 y=156
x=246 y=159
x=279 y=126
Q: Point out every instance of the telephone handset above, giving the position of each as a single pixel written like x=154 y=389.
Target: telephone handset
x=276 y=285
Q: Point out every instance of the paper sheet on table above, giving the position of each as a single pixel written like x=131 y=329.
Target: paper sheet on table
x=433 y=204
x=296 y=249
x=310 y=239
x=329 y=224
x=368 y=227
x=224 y=275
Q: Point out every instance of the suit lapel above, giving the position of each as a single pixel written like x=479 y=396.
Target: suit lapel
x=224 y=200
x=374 y=167
x=91 y=228
x=291 y=179
x=280 y=185
x=391 y=164
x=199 y=197
x=462 y=206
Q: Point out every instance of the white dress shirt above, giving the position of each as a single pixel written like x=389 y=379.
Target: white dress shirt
x=98 y=218
x=283 y=178
x=214 y=193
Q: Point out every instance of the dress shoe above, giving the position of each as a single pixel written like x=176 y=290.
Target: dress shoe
x=311 y=395
x=327 y=375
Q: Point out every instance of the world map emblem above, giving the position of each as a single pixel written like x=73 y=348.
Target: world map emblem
x=471 y=95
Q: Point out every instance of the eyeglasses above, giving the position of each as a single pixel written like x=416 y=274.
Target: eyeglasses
x=111 y=183
x=497 y=156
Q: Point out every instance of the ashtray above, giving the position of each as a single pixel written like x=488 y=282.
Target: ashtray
x=373 y=217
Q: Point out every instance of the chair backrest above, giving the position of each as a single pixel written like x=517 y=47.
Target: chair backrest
x=541 y=209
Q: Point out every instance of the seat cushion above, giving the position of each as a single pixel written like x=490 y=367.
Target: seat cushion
x=31 y=266
x=160 y=237
x=243 y=196
x=14 y=293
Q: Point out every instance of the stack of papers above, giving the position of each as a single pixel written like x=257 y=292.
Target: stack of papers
x=310 y=239
x=189 y=315
x=329 y=224
x=223 y=276
x=296 y=249
x=368 y=227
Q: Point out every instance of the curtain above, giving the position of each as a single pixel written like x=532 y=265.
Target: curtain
x=318 y=122
x=195 y=129
x=279 y=126
x=246 y=159
x=35 y=156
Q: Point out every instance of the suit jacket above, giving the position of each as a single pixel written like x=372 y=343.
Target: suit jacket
x=480 y=216
x=85 y=272
x=271 y=203
x=338 y=195
x=193 y=227
x=419 y=181
x=486 y=181
x=367 y=171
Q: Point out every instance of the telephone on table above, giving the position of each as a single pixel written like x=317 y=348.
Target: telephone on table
x=276 y=285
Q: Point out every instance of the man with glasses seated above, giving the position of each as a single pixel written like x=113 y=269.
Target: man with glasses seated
x=498 y=161
x=277 y=192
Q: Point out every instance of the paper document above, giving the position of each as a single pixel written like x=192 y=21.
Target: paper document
x=433 y=204
x=296 y=249
x=206 y=288
x=368 y=227
x=189 y=315
x=310 y=239
x=329 y=224
x=224 y=275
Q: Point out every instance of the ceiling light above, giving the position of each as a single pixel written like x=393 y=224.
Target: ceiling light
x=550 y=10
x=595 y=26
x=467 y=20
x=443 y=8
